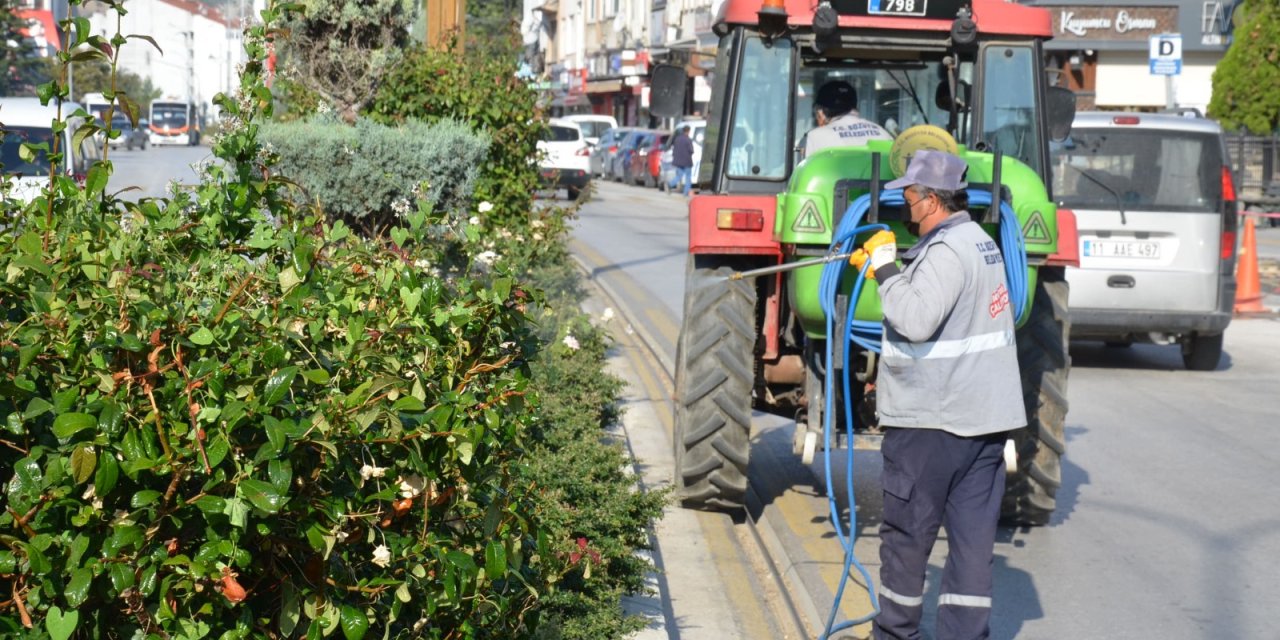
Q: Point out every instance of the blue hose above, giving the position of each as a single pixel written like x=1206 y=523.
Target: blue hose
x=868 y=334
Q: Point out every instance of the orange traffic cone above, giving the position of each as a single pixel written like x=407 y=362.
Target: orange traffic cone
x=1248 y=289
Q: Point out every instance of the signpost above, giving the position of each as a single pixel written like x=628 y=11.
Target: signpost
x=1166 y=60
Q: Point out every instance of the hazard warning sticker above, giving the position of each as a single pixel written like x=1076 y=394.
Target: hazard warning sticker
x=1036 y=231
x=809 y=220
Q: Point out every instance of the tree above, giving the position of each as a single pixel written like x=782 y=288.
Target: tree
x=94 y=76
x=23 y=68
x=493 y=28
x=1246 y=84
x=342 y=51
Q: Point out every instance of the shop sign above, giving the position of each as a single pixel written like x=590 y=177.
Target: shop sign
x=1112 y=23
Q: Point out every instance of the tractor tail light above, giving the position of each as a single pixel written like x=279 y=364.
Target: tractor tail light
x=740 y=219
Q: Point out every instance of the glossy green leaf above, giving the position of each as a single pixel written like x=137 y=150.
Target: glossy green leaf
x=495 y=560
x=278 y=386
x=78 y=586
x=143 y=498
x=354 y=623
x=60 y=624
x=104 y=479
x=83 y=463
x=202 y=336
x=262 y=495
x=69 y=424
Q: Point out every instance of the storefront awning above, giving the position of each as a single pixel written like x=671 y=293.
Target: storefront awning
x=604 y=86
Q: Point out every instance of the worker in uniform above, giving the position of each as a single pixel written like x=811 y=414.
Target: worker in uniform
x=948 y=391
x=839 y=124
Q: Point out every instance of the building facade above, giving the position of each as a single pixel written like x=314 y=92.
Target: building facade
x=1101 y=50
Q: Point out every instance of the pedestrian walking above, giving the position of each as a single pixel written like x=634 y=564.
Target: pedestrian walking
x=682 y=160
x=947 y=394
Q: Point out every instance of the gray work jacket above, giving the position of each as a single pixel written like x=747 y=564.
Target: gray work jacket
x=948 y=356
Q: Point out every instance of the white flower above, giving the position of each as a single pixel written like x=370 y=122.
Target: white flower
x=571 y=342
x=372 y=471
x=487 y=258
x=486 y=206
x=537 y=237
x=536 y=224
x=97 y=504
x=411 y=486
x=90 y=493
x=341 y=536
x=474 y=221
x=381 y=555
x=607 y=315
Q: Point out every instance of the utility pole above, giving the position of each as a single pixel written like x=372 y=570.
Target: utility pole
x=444 y=17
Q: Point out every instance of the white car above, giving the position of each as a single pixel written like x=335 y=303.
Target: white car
x=26 y=120
x=564 y=157
x=592 y=125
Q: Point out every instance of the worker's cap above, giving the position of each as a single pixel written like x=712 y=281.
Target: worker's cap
x=836 y=97
x=934 y=169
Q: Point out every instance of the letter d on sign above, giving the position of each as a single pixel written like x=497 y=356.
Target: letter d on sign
x=1166 y=48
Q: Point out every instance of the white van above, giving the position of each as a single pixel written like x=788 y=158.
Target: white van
x=26 y=120
x=592 y=125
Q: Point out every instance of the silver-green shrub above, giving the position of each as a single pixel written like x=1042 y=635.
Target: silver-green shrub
x=367 y=174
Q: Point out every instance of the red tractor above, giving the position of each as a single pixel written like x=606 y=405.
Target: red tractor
x=973 y=68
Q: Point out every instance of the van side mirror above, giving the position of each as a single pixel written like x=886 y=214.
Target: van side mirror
x=667 y=84
x=1060 y=111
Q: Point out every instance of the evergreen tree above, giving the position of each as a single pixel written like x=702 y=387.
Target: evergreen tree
x=1246 y=83
x=23 y=68
x=342 y=50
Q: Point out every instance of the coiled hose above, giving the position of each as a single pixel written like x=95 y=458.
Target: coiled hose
x=867 y=334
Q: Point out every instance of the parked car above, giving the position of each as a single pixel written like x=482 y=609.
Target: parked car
x=652 y=172
x=26 y=120
x=565 y=160
x=622 y=159
x=645 y=162
x=604 y=151
x=1155 y=207
x=129 y=136
x=593 y=125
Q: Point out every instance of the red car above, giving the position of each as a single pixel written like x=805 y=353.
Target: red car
x=646 y=161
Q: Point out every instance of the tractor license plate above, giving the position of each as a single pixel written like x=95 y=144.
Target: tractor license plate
x=1121 y=249
x=897 y=7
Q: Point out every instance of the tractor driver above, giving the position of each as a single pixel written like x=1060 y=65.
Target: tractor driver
x=948 y=394
x=839 y=123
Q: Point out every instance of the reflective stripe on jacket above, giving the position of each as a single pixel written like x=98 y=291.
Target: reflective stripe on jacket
x=949 y=359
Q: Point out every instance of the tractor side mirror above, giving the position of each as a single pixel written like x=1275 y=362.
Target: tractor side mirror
x=1060 y=109
x=942 y=96
x=666 y=91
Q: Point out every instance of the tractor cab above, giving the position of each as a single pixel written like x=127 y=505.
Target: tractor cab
x=977 y=73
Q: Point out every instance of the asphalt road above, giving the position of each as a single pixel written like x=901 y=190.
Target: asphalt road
x=1168 y=520
x=151 y=170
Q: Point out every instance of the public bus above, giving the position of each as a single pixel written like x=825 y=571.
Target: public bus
x=174 y=122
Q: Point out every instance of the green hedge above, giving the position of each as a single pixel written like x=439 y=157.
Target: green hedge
x=363 y=173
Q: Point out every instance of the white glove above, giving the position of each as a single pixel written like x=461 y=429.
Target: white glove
x=884 y=254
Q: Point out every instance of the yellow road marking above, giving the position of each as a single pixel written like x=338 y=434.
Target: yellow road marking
x=666 y=328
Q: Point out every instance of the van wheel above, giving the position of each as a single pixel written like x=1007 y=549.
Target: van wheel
x=1202 y=352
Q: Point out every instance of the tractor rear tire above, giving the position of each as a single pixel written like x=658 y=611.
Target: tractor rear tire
x=1031 y=493
x=715 y=372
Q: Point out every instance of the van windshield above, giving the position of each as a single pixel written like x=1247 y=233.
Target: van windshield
x=1147 y=169
x=13 y=162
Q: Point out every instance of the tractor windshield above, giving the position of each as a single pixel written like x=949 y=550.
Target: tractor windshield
x=896 y=89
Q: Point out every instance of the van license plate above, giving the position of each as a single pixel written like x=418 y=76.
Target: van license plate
x=1121 y=249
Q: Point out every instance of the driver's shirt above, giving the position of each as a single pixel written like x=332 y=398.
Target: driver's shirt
x=847 y=130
